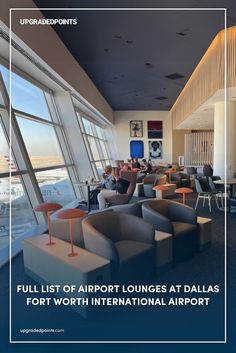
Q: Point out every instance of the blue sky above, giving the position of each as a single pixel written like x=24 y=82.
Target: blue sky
x=30 y=99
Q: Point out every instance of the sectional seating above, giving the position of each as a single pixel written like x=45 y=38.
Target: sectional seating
x=150 y=181
x=177 y=219
x=125 y=240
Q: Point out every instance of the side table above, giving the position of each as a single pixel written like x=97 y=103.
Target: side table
x=204 y=233
x=164 y=256
x=51 y=265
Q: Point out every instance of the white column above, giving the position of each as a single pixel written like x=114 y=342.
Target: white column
x=219 y=139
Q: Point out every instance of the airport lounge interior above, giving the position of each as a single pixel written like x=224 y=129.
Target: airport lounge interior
x=117 y=162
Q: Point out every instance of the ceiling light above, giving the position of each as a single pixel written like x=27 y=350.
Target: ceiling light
x=181 y=34
x=148 y=65
x=174 y=76
x=184 y=32
x=161 y=98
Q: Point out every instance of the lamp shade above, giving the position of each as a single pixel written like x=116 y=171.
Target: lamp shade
x=160 y=187
x=47 y=207
x=70 y=213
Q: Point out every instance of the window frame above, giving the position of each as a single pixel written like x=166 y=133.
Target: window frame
x=18 y=150
x=104 y=161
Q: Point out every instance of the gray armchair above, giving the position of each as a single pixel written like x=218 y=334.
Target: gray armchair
x=180 y=180
x=121 y=199
x=134 y=209
x=177 y=219
x=150 y=181
x=127 y=241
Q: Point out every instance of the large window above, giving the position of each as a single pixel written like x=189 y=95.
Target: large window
x=40 y=164
x=96 y=144
x=22 y=217
x=55 y=186
x=4 y=153
x=25 y=96
x=41 y=143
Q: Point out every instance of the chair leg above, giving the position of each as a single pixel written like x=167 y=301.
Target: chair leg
x=197 y=202
x=209 y=202
x=222 y=200
x=216 y=199
x=204 y=201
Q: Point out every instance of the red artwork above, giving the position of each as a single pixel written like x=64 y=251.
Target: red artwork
x=155 y=130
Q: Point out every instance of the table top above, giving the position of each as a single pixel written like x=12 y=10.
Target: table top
x=84 y=262
x=161 y=235
x=203 y=220
x=226 y=181
x=183 y=191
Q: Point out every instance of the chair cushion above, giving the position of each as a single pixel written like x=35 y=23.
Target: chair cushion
x=128 y=249
x=181 y=228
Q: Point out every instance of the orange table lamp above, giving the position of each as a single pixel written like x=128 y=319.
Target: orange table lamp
x=183 y=191
x=69 y=214
x=48 y=207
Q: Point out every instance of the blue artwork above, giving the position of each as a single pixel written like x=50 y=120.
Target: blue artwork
x=136 y=149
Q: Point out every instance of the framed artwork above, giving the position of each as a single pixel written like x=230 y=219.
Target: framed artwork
x=136 y=149
x=136 y=128
x=155 y=129
x=155 y=150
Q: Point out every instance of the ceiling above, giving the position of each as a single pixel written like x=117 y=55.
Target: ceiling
x=203 y=117
x=139 y=60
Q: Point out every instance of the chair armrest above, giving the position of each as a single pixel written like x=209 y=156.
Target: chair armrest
x=159 y=221
x=178 y=212
x=184 y=175
x=148 y=190
x=98 y=243
x=136 y=229
x=118 y=199
x=175 y=177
